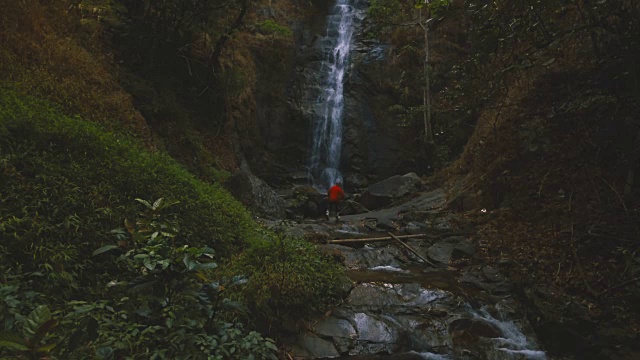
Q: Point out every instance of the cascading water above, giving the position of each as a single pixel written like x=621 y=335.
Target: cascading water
x=327 y=129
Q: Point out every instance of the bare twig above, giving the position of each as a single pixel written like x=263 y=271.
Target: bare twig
x=544 y=179
x=618 y=195
x=205 y=89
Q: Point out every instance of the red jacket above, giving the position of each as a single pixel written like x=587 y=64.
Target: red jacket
x=335 y=194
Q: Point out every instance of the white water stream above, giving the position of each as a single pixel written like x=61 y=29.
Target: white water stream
x=327 y=130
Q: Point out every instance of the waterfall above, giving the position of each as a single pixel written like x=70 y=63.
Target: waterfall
x=327 y=130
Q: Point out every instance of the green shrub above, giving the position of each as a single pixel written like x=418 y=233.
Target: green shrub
x=271 y=27
x=162 y=304
x=288 y=279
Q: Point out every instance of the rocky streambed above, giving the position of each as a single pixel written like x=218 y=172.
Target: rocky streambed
x=399 y=307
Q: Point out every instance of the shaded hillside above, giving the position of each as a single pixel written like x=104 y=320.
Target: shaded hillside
x=112 y=245
x=50 y=53
x=135 y=69
x=550 y=92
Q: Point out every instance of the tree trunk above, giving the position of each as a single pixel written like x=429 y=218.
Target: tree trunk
x=214 y=61
x=426 y=93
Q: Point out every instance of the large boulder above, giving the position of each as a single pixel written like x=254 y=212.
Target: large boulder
x=256 y=195
x=387 y=191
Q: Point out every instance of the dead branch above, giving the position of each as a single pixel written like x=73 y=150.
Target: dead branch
x=385 y=238
x=411 y=249
x=624 y=205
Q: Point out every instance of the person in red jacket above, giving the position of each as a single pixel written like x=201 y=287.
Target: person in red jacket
x=334 y=195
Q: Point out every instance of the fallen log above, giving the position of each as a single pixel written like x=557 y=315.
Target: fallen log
x=385 y=238
x=411 y=249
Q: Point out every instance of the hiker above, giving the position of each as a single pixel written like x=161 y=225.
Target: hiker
x=335 y=195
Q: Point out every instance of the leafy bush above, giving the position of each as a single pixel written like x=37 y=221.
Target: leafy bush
x=271 y=27
x=288 y=279
x=162 y=306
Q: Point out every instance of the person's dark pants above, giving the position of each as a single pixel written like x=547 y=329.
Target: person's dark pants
x=333 y=207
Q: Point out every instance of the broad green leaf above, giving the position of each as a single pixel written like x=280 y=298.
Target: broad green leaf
x=12 y=341
x=84 y=308
x=157 y=204
x=104 y=249
x=239 y=280
x=141 y=284
x=38 y=316
x=234 y=305
x=190 y=262
x=42 y=331
x=145 y=202
x=269 y=343
x=104 y=352
x=148 y=264
x=205 y=266
x=47 y=348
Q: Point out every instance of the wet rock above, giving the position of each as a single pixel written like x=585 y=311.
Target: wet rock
x=386 y=225
x=492 y=275
x=462 y=249
x=352 y=207
x=442 y=225
x=414 y=227
x=411 y=297
x=372 y=329
x=335 y=327
x=367 y=257
x=387 y=191
x=355 y=181
x=475 y=279
x=313 y=347
x=304 y=202
x=310 y=209
x=469 y=330
x=255 y=194
x=441 y=252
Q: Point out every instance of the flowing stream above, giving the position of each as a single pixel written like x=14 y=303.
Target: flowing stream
x=397 y=307
x=327 y=129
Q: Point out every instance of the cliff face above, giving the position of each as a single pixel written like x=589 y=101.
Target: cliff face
x=373 y=146
x=382 y=116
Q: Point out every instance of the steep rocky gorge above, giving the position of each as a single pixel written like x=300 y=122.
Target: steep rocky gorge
x=534 y=138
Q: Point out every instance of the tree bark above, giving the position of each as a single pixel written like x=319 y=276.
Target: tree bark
x=214 y=61
x=426 y=93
